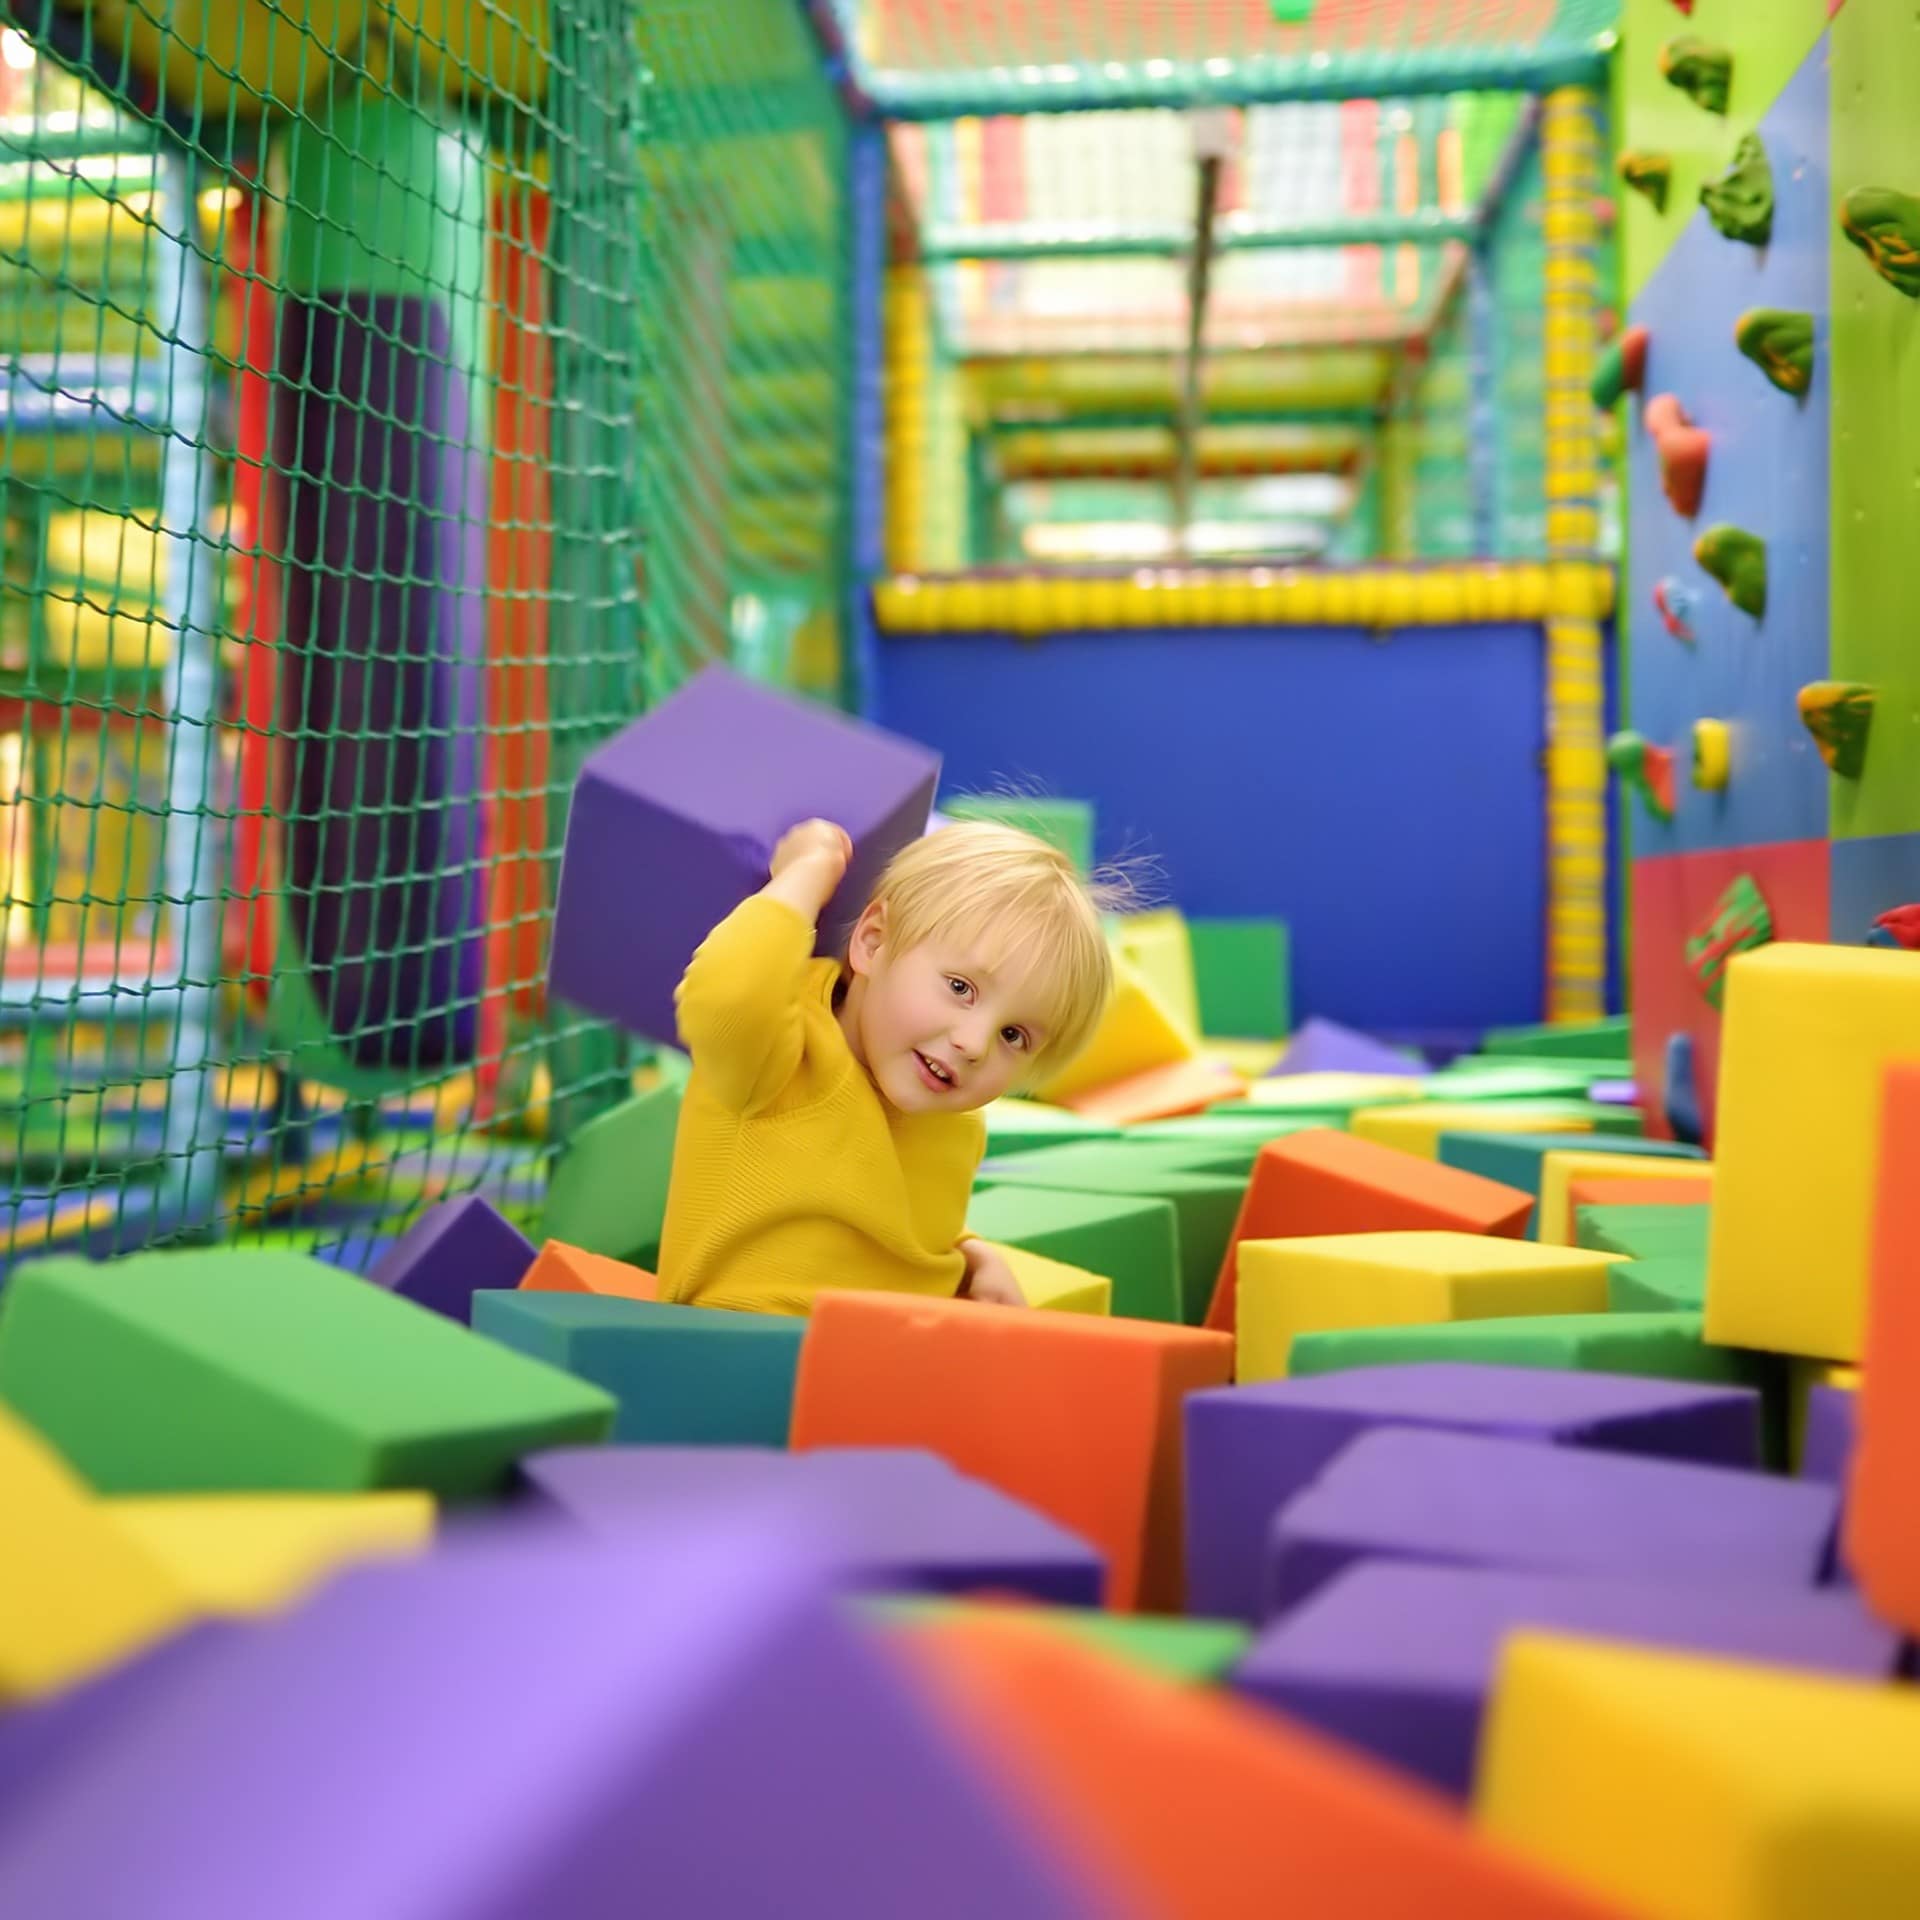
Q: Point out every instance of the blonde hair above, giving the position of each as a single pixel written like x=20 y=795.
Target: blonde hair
x=1025 y=903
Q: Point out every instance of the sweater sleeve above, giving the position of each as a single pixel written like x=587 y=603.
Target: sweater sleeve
x=739 y=1004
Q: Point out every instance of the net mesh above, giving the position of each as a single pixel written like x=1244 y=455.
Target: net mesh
x=346 y=352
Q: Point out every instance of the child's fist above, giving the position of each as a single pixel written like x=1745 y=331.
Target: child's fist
x=818 y=842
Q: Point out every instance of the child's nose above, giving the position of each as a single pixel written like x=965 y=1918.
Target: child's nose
x=970 y=1037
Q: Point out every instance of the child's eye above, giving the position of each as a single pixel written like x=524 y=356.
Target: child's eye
x=1015 y=1037
x=960 y=987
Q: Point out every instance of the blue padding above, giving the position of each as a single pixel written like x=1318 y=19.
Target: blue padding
x=1381 y=796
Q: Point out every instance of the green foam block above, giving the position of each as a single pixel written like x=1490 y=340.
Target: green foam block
x=1135 y=1243
x=683 y=1376
x=608 y=1191
x=1663 y=1346
x=1066 y=824
x=1205 y=1205
x=1024 y=1126
x=1528 y=1080
x=1231 y=1142
x=231 y=1371
x=1644 y=1232
x=1240 y=968
x=1661 y=1283
x=1610 y=1039
x=1514 y=1158
x=1198 y=1651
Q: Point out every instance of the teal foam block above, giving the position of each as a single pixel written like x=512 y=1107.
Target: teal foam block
x=1241 y=972
x=608 y=1192
x=683 y=1376
x=233 y=1371
x=1644 y=1232
x=1514 y=1158
x=1134 y=1242
x=1205 y=1205
x=1661 y=1283
x=1610 y=1039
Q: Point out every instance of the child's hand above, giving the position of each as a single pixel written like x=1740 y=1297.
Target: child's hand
x=989 y=1277
x=816 y=843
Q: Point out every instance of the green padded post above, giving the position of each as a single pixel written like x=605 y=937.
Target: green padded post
x=683 y=1376
x=225 y=1371
x=1135 y=1243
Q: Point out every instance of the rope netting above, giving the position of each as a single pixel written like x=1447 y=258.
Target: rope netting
x=392 y=399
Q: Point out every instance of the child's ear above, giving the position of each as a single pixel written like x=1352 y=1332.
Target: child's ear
x=869 y=936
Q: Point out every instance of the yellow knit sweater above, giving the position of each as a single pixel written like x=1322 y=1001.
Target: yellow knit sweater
x=790 y=1172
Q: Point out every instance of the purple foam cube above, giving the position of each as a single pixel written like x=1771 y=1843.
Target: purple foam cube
x=1324 y=1046
x=1826 y=1444
x=452 y=1251
x=675 y=819
x=1250 y=1450
x=1399 y=1659
x=533 y=1723
x=887 y=1519
x=1465 y=1499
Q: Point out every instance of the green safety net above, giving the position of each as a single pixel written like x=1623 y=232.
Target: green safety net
x=397 y=397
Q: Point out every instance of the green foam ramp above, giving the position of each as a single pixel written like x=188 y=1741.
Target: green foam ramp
x=1025 y=1126
x=683 y=1376
x=1242 y=973
x=608 y=1190
x=1644 y=1232
x=1134 y=1242
x=1609 y=1039
x=1663 y=1283
x=231 y=1370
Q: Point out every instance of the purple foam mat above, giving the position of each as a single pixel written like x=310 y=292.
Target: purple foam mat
x=538 y=1724
x=452 y=1251
x=1324 y=1046
x=1470 y=1500
x=1399 y=1658
x=385 y=505
x=1250 y=1450
x=695 y=795
x=888 y=1519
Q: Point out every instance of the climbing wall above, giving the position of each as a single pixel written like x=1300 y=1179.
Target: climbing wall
x=1773 y=496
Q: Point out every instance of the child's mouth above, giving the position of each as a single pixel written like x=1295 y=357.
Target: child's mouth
x=933 y=1075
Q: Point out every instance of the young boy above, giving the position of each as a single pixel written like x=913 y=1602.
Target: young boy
x=830 y=1128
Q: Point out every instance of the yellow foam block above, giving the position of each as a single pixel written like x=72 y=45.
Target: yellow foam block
x=76 y=1592
x=1808 y=1032
x=1559 y=1170
x=1138 y=1032
x=256 y=1553
x=1055 y=1285
x=1159 y=945
x=1680 y=1787
x=1344 y=1280
x=1415 y=1126
x=1248 y=1058
x=1308 y=1091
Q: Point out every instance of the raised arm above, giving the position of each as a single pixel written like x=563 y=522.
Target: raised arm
x=739 y=1002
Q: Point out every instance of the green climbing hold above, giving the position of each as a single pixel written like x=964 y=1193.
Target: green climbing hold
x=1738 y=560
x=1701 y=70
x=1650 y=174
x=1839 y=715
x=1646 y=768
x=1741 y=921
x=1621 y=369
x=1292 y=13
x=1740 y=202
x=1885 y=225
x=1780 y=344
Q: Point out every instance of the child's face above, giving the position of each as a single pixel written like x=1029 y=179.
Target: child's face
x=941 y=1031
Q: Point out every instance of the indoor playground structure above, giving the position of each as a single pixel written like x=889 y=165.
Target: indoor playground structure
x=1420 y=484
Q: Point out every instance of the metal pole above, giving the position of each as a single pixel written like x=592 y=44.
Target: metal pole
x=1212 y=135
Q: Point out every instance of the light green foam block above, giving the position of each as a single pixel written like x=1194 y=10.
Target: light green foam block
x=608 y=1190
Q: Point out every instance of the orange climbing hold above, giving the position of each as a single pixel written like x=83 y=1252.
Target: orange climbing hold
x=1682 y=449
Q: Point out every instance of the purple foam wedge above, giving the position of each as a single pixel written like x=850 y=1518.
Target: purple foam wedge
x=887 y=1519
x=533 y=1723
x=1324 y=1046
x=451 y=1252
x=1399 y=1659
x=675 y=819
x=1468 y=1500
x=1250 y=1450
x=1826 y=1445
